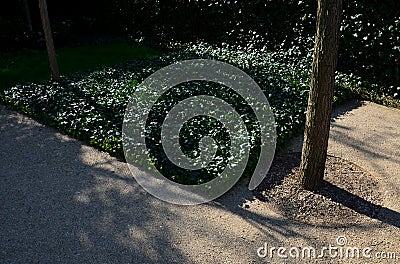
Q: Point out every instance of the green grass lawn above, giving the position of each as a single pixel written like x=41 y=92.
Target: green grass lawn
x=33 y=65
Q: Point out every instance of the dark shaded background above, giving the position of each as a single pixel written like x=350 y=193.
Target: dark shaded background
x=370 y=43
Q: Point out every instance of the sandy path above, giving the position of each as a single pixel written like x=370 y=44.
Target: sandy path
x=65 y=202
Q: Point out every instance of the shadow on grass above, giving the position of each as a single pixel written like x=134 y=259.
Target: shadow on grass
x=24 y=66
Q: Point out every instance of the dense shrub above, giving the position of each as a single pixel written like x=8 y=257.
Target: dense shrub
x=91 y=105
x=369 y=45
x=272 y=41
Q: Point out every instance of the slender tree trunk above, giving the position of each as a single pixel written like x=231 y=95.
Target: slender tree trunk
x=319 y=109
x=49 y=40
x=27 y=15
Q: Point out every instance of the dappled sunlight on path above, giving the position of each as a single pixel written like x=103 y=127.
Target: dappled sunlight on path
x=65 y=202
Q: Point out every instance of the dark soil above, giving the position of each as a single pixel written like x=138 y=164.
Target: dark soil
x=349 y=195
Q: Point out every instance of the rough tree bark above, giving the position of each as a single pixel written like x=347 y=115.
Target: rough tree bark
x=49 y=40
x=319 y=109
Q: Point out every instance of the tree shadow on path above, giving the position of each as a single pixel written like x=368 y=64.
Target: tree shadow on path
x=361 y=205
x=63 y=202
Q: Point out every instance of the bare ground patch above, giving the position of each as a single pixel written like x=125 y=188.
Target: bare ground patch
x=350 y=194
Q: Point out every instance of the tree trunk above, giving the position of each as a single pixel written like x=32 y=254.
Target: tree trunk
x=319 y=109
x=27 y=15
x=49 y=40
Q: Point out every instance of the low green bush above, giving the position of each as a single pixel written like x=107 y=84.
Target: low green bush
x=90 y=105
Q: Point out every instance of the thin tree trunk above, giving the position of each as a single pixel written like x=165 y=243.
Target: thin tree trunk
x=27 y=15
x=49 y=40
x=319 y=109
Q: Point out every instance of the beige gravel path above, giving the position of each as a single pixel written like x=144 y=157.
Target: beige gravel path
x=368 y=134
x=65 y=202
